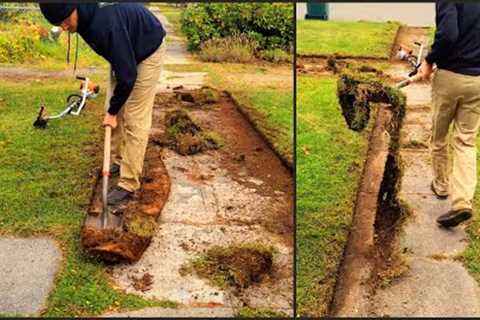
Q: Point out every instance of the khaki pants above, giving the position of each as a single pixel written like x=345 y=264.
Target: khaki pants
x=456 y=99
x=130 y=138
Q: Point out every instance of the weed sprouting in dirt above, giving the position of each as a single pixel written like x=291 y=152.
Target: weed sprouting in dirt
x=185 y=136
x=236 y=266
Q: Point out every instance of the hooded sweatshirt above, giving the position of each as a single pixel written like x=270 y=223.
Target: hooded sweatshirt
x=124 y=34
x=457 y=37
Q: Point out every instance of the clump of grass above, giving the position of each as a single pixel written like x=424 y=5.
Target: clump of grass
x=143 y=226
x=185 y=136
x=237 y=49
x=276 y=56
x=355 y=93
x=235 y=266
x=247 y=312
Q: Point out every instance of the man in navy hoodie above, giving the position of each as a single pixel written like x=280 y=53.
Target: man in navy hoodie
x=455 y=100
x=130 y=38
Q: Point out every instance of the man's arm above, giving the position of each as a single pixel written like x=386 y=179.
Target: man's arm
x=122 y=59
x=446 y=33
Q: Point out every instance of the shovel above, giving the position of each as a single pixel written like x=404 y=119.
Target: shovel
x=106 y=174
x=99 y=216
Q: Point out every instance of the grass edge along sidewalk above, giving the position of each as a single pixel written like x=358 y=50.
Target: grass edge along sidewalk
x=330 y=160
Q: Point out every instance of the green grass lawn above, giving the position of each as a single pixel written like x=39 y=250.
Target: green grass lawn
x=367 y=39
x=47 y=178
x=330 y=159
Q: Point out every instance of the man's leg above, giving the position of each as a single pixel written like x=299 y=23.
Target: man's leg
x=465 y=129
x=444 y=101
x=137 y=118
x=464 y=171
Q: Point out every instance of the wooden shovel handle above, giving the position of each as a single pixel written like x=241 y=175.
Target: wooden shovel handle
x=106 y=151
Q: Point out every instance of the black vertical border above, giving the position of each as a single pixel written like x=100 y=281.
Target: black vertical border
x=294 y=66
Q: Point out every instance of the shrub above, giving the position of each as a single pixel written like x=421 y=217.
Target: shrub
x=270 y=25
x=276 y=56
x=239 y=49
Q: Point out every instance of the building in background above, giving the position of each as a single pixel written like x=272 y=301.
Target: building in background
x=413 y=14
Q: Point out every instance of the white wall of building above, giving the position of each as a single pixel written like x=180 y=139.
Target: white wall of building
x=413 y=14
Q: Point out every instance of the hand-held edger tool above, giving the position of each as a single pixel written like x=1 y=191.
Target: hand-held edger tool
x=408 y=81
x=106 y=174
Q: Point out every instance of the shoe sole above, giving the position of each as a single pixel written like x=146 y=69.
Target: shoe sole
x=456 y=220
x=439 y=197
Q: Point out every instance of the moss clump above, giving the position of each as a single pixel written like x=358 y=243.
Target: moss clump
x=234 y=266
x=142 y=225
x=185 y=136
x=355 y=93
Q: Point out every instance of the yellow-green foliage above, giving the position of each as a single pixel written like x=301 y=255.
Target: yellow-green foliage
x=25 y=40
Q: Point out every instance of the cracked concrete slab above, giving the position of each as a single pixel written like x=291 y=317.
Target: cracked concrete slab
x=176 y=313
x=187 y=80
x=422 y=237
x=28 y=268
x=432 y=289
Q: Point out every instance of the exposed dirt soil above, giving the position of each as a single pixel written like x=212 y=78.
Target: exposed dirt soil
x=143 y=283
x=185 y=136
x=334 y=65
x=13 y=73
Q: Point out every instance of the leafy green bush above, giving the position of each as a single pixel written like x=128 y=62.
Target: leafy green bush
x=268 y=24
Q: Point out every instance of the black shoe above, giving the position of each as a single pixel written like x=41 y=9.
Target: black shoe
x=439 y=196
x=118 y=195
x=114 y=170
x=454 y=217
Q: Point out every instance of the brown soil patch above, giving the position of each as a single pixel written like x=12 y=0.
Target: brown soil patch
x=143 y=283
x=334 y=65
x=12 y=73
x=184 y=135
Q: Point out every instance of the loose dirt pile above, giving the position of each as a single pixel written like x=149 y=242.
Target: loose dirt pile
x=234 y=266
x=185 y=136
